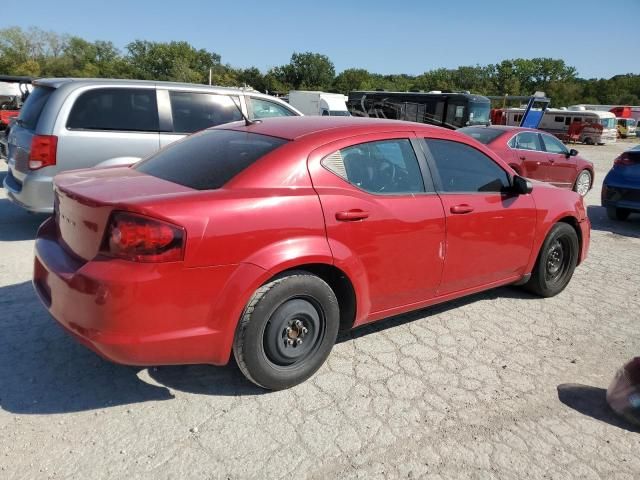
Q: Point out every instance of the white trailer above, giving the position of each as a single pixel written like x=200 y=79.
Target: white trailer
x=598 y=126
x=319 y=103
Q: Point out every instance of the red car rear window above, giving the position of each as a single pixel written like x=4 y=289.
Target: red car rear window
x=209 y=159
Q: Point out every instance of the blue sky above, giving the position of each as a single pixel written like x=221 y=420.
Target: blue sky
x=599 y=38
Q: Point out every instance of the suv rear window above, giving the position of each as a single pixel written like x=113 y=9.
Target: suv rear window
x=32 y=108
x=209 y=159
x=482 y=134
x=123 y=109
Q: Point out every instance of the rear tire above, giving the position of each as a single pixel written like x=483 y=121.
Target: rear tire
x=589 y=141
x=287 y=330
x=618 y=213
x=556 y=262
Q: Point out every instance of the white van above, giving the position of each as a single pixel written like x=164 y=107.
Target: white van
x=319 y=103
x=597 y=126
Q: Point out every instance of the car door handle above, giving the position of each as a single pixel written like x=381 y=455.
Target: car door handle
x=462 y=208
x=352 y=215
x=523 y=157
x=552 y=160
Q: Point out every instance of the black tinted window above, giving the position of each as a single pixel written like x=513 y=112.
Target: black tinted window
x=464 y=169
x=387 y=166
x=197 y=111
x=209 y=159
x=481 y=134
x=32 y=108
x=125 y=109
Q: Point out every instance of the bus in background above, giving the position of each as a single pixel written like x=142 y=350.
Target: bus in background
x=592 y=127
x=446 y=109
x=626 y=126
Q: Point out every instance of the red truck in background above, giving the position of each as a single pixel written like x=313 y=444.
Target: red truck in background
x=13 y=92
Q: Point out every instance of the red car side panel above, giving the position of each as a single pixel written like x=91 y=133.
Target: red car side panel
x=488 y=244
x=399 y=244
x=552 y=206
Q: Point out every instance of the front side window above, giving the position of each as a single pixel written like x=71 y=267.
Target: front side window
x=553 y=145
x=463 y=169
x=208 y=159
x=123 y=109
x=196 y=111
x=526 y=141
x=382 y=167
x=265 y=109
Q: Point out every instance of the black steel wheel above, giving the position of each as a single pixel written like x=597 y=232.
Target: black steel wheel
x=287 y=330
x=556 y=261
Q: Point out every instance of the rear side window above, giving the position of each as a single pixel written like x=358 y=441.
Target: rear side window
x=526 y=141
x=382 y=167
x=32 y=108
x=197 y=111
x=463 y=169
x=208 y=159
x=124 y=109
x=482 y=134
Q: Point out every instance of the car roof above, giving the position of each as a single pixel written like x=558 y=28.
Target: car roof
x=82 y=82
x=292 y=128
x=506 y=128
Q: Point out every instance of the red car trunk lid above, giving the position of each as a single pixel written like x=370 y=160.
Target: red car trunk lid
x=86 y=198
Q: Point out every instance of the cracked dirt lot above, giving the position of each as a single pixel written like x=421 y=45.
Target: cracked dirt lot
x=498 y=385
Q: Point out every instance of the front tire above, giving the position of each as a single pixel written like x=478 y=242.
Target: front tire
x=618 y=213
x=583 y=183
x=556 y=262
x=287 y=330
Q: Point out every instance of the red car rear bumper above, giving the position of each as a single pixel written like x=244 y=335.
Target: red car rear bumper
x=137 y=313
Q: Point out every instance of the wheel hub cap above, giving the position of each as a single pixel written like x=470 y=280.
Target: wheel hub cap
x=293 y=332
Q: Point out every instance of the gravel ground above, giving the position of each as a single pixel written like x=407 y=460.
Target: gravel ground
x=498 y=385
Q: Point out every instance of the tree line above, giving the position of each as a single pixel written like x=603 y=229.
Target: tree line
x=39 y=53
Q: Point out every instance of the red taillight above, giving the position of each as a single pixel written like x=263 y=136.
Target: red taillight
x=43 y=151
x=625 y=159
x=143 y=239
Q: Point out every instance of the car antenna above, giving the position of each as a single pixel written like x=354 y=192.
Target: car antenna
x=247 y=122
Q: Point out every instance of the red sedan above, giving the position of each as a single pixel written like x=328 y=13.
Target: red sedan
x=265 y=239
x=538 y=155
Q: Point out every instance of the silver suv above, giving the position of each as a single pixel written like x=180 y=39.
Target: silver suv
x=67 y=124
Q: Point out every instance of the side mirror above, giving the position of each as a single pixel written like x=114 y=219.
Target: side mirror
x=573 y=152
x=521 y=185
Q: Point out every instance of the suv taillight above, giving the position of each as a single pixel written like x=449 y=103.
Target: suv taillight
x=143 y=239
x=625 y=159
x=43 y=151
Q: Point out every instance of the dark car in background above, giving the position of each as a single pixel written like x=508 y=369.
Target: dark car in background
x=621 y=186
x=537 y=155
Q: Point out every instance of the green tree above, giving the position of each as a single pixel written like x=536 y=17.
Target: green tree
x=353 y=79
x=177 y=61
x=310 y=71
